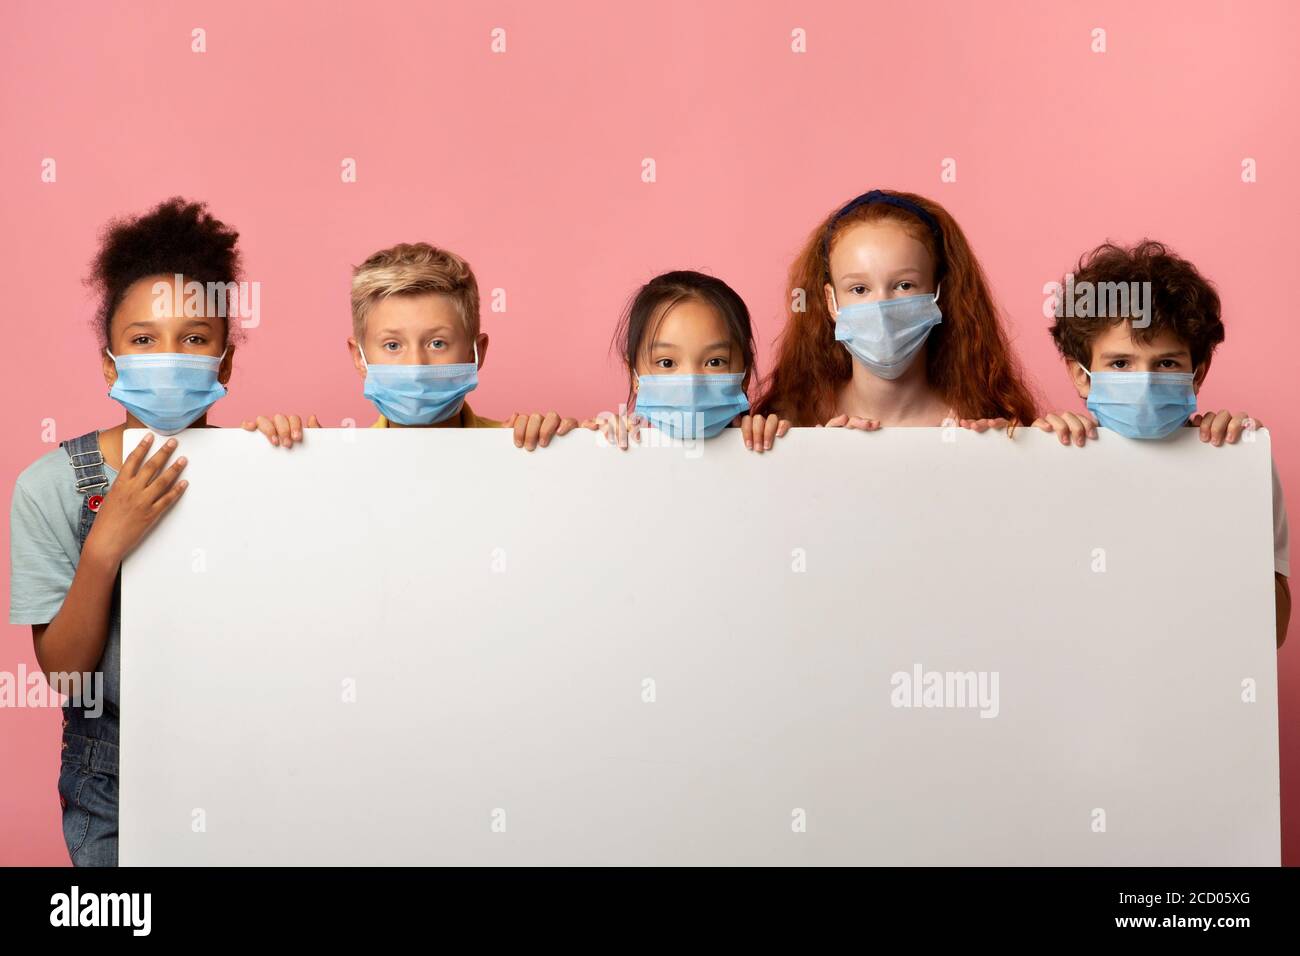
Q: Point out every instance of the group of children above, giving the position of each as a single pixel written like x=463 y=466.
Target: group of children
x=890 y=323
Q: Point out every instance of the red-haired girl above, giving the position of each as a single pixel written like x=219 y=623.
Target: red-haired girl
x=891 y=323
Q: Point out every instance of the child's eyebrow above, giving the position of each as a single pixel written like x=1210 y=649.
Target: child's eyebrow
x=720 y=344
x=433 y=331
x=1107 y=356
x=905 y=271
x=1181 y=353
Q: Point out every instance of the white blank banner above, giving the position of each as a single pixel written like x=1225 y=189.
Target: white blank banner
x=412 y=646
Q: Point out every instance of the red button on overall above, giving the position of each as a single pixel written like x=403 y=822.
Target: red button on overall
x=94 y=501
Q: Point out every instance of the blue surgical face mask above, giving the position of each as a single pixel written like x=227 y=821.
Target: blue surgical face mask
x=1141 y=404
x=690 y=406
x=167 y=391
x=886 y=336
x=419 y=394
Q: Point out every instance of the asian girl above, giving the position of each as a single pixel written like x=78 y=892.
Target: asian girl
x=688 y=345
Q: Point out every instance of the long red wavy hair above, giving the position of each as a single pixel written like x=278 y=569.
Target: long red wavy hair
x=968 y=358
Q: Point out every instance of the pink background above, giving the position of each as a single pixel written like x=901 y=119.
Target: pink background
x=529 y=163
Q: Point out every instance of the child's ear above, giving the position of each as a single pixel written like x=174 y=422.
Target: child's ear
x=482 y=340
x=227 y=365
x=1198 y=378
x=1082 y=383
x=110 y=368
x=356 y=357
x=829 y=292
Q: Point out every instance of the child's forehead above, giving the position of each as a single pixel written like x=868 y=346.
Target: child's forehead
x=156 y=297
x=877 y=245
x=154 y=304
x=427 y=312
x=686 y=320
x=1123 y=338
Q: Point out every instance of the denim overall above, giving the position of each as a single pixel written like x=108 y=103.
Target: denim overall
x=88 y=773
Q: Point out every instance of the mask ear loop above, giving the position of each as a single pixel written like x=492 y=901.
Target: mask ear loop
x=1084 y=370
x=632 y=413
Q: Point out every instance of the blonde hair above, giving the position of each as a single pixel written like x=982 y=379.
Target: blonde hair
x=414 y=268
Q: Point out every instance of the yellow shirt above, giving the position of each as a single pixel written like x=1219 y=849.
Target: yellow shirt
x=465 y=418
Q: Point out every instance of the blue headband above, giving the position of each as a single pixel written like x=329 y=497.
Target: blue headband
x=876 y=196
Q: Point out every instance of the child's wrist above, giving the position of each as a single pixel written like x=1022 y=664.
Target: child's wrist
x=100 y=557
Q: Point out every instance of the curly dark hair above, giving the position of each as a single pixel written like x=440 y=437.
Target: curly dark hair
x=176 y=236
x=1182 y=301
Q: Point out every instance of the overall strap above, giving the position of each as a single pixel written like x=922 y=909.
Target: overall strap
x=87 y=462
x=91 y=479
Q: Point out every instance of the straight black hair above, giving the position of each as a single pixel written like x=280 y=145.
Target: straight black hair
x=660 y=294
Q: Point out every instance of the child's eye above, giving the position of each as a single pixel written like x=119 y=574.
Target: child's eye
x=664 y=363
x=858 y=289
x=905 y=285
x=141 y=340
x=1119 y=364
x=438 y=344
x=390 y=346
x=1169 y=363
x=716 y=363
x=195 y=340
